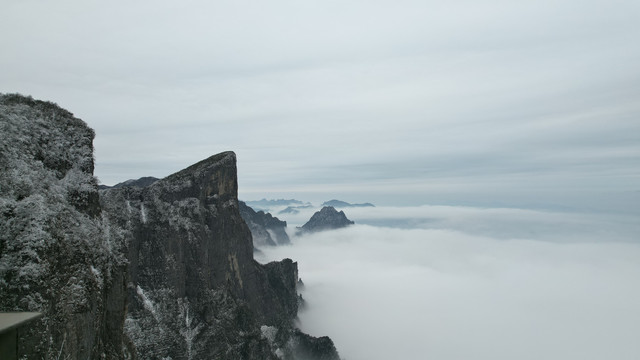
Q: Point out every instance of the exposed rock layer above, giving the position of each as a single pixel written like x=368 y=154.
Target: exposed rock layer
x=58 y=254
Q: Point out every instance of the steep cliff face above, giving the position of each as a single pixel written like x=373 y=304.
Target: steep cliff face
x=58 y=255
x=195 y=290
x=266 y=229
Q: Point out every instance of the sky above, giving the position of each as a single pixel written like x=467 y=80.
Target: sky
x=471 y=283
x=528 y=103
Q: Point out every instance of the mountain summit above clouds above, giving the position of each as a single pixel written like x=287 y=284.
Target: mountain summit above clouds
x=141 y=182
x=327 y=218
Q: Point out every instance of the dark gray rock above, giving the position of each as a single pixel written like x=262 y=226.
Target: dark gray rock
x=309 y=347
x=327 y=218
x=58 y=254
x=266 y=229
x=194 y=286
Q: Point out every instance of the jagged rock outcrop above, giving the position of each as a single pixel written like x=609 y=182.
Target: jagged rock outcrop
x=266 y=229
x=195 y=290
x=326 y=219
x=163 y=271
x=58 y=254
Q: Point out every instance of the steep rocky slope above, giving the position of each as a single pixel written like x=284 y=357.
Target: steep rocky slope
x=164 y=271
x=58 y=255
x=266 y=230
x=194 y=285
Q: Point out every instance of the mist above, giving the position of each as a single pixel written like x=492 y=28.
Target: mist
x=470 y=283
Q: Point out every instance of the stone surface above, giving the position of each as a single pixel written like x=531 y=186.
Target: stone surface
x=57 y=253
x=162 y=271
x=194 y=287
x=266 y=229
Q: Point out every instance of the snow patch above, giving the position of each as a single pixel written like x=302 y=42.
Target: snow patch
x=269 y=333
x=106 y=228
x=189 y=332
x=98 y=275
x=147 y=303
x=143 y=213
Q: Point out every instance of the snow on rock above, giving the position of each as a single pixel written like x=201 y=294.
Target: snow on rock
x=57 y=255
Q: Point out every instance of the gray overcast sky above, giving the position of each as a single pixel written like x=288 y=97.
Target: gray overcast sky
x=415 y=101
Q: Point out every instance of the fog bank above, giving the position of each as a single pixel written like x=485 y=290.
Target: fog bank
x=447 y=293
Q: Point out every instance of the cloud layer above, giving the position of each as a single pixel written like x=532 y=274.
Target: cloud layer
x=368 y=97
x=447 y=293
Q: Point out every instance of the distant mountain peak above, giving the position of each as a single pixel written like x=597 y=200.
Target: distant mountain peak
x=139 y=183
x=327 y=218
x=158 y=271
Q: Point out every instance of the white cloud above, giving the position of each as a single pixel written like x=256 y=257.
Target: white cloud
x=447 y=293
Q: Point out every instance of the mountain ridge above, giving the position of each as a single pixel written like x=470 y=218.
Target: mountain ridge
x=341 y=204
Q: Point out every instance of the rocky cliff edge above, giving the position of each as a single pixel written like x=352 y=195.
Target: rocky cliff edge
x=164 y=271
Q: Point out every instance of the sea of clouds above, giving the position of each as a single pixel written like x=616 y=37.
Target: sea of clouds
x=444 y=283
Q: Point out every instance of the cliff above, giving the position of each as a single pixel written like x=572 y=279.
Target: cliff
x=194 y=285
x=164 y=271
